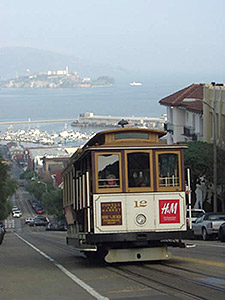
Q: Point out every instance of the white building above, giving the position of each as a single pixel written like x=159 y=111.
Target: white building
x=59 y=72
x=190 y=113
x=214 y=106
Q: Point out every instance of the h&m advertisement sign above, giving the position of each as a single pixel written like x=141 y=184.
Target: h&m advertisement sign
x=169 y=211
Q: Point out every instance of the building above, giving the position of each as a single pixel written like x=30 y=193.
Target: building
x=53 y=165
x=214 y=113
x=16 y=153
x=89 y=119
x=59 y=72
x=47 y=159
x=191 y=111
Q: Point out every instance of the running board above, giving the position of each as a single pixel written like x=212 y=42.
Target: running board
x=137 y=254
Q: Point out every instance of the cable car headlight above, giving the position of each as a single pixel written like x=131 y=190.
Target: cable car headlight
x=141 y=219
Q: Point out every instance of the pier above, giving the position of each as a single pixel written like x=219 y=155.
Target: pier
x=91 y=120
x=36 y=121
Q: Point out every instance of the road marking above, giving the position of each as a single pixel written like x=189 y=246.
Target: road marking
x=78 y=281
x=205 y=262
x=205 y=244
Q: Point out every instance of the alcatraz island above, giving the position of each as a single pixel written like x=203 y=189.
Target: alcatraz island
x=56 y=79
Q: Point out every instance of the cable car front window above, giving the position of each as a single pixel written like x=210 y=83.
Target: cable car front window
x=108 y=171
x=168 y=170
x=138 y=169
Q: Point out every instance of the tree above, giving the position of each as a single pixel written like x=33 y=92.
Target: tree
x=199 y=158
x=221 y=177
x=53 y=203
x=28 y=174
x=51 y=200
x=35 y=189
x=8 y=187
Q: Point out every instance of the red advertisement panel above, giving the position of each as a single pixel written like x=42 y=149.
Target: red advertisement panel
x=169 y=211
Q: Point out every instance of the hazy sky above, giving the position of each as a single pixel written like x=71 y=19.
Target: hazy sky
x=145 y=35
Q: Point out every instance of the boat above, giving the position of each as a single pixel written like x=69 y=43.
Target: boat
x=135 y=83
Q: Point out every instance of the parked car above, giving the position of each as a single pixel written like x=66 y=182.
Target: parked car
x=17 y=214
x=39 y=210
x=221 y=234
x=28 y=220
x=2 y=226
x=36 y=206
x=39 y=221
x=56 y=226
x=1 y=235
x=14 y=208
x=195 y=213
x=208 y=225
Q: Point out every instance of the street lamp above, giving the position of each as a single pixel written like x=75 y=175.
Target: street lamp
x=214 y=157
x=41 y=182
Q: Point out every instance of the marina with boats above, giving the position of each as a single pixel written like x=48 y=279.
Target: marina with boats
x=87 y=121
x=36 y=136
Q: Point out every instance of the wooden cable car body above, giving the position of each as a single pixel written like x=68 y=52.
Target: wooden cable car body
x=124 y=195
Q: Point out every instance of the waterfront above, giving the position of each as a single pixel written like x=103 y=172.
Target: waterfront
x=39 y=104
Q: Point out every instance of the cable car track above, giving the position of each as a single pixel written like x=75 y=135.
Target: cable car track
x=192 y=272
x=188 y=279
x=168 y=283
x=178 y=285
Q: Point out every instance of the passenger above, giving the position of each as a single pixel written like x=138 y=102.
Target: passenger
x=111 y=180
x=142 y=184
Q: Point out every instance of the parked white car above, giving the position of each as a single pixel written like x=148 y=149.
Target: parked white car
x=208 y=225
x=28 y=220
x=14 y=208
x=17 y=214
x=195 y=213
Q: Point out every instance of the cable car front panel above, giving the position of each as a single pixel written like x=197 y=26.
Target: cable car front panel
x=145 y=212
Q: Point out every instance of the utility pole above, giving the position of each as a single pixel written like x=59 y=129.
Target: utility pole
x=214 y=161
x=213 y=108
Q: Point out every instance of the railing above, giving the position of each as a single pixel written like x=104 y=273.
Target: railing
x=169 y=181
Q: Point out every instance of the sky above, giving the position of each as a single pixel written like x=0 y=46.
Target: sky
x=172 y=36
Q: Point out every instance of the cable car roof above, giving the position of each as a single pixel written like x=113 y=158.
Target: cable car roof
x=125 y=136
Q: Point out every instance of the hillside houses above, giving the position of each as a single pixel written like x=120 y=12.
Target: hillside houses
x=48 y=162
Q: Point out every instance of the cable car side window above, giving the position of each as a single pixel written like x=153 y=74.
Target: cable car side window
x=108 y=171
x=169 y=173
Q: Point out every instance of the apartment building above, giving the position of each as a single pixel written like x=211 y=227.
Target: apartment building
x=214 y=113
x=193 y=112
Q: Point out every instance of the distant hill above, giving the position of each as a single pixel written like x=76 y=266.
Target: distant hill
x=14 y=61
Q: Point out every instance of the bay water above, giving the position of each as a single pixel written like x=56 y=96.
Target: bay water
x=46 y=104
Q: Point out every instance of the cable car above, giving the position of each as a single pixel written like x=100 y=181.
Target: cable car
x=124 y=196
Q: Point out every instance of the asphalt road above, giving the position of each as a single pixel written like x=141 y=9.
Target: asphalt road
x=38 y=265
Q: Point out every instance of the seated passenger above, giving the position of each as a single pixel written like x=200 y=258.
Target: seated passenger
x=140 y=183
x=111 y=181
